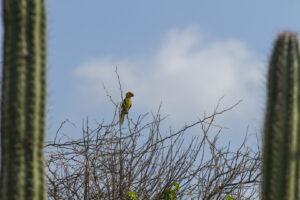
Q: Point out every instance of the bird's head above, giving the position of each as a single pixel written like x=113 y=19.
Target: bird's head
x=129 y=94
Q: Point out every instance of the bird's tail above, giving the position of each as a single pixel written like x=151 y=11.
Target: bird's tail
x=122 y=115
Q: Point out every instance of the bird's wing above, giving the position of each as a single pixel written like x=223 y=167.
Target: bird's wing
x=126 y=105
x=129 y=104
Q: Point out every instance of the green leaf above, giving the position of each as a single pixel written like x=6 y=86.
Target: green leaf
x=131 y=195
x=229 y=197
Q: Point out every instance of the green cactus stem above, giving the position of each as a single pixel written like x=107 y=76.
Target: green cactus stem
x=281 y=129
x=23 y=100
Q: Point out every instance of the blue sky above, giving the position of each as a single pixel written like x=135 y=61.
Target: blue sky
x=185 y=54
x=87 y=41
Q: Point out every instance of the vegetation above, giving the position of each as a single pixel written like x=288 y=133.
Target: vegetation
x=281 y=134
x=23 y=100
x=142 y=160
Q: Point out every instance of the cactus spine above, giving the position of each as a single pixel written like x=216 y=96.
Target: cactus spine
x=281 y=131
x=23 y=100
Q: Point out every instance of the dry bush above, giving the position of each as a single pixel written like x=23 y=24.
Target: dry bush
x=108 y=161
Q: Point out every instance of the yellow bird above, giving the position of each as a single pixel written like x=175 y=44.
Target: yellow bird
x=126 y=105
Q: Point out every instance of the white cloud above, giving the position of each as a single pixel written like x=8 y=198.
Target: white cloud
x=187 y=73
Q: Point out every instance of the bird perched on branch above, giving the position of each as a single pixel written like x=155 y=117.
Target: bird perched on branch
x=126 y=105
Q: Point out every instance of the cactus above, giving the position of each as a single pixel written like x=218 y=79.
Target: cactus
x=281 y=130
x=23 y=100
